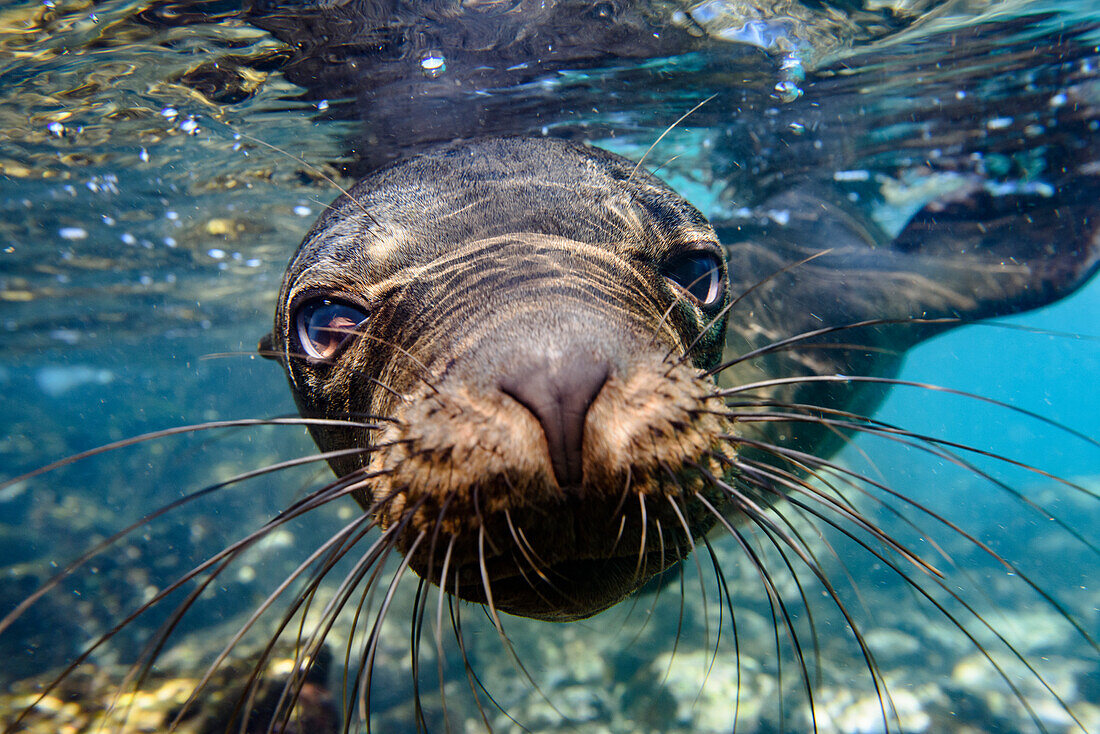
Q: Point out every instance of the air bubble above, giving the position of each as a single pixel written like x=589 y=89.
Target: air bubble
x=73 y=233
x=787 y=91
x=433 y=63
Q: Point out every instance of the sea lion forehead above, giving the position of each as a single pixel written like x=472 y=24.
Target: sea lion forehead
x=415 y=211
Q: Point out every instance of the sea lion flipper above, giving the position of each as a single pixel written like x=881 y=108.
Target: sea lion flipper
x=865 y=298
x=971 y=255
x=1011 y=251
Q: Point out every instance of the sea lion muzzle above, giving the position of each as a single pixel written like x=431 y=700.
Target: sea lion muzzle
x=537 y=357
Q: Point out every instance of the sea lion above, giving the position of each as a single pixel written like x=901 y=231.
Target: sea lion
x=548 y=378
x=819 y=301
x=537 y=327
x=531 y=320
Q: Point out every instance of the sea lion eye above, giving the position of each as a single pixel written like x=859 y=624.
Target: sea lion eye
x=324 y=326
x=699 y=274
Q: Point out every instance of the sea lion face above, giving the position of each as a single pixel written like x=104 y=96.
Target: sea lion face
x=529 y=322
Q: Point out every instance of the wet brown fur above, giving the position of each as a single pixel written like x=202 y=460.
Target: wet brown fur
x=487 y=291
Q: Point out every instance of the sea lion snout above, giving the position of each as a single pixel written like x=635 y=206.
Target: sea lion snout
x=559 y=394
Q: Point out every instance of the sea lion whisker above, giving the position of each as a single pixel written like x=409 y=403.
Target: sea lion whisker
x=724 y=593
x=331 y=181
x=717 y=318
x=619 y=533
x=797 y=339
x=683 y=595
x=794 y=541
x=938 y=578
x=372 y=563
x=439 y=655
x=473 y=680
x=668 y=129
x=437 y=530
x=531 y=556
x=940 y=582
x=1058 y=606
x=218 y=563
x=336 y=545
x=839 y=508
x=767 y=473
x=416 y=631
x=919 y=441
x=763 y=476
x=340 y=545
x=175 y=431
x=931 y=444
x=306 y=654
x=528 y=550
x=335 y=552
x=658 y=168
x=823 y=539
x=490 y=610
x=810 y=413
x=618 y=511
x=375 y=634
x=486 y=583
x=308 y=649
x=101 y=546
x=639 y=568
x=868 y=657
x=806 y=379
x=476 y=494
x=775 y=599
x=691 y=550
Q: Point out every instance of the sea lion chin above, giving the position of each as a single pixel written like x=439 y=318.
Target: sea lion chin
x=531 y=322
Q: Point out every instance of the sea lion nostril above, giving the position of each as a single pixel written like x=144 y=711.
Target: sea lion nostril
x=559 y=395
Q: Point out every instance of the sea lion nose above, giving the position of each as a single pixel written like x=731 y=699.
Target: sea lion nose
x=558 y=393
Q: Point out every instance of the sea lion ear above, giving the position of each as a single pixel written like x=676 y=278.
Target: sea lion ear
x=266 y=348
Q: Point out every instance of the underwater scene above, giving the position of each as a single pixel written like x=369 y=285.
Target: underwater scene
x=908 y=197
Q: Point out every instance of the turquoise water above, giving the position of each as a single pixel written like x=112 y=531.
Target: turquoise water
x=144 y=234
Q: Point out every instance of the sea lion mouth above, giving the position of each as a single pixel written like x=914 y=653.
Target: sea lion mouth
x=564 y=591
x=566 y=559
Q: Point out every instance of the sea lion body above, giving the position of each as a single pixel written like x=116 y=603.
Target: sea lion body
x=536 y=327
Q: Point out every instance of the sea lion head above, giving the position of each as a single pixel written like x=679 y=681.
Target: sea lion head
x=529 y=322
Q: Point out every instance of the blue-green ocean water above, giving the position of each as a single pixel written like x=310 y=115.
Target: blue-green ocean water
x=144 y=234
